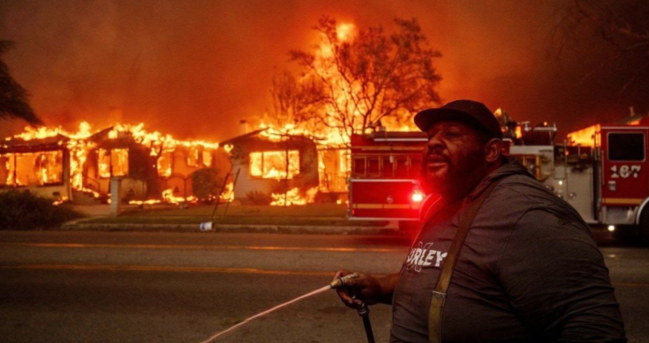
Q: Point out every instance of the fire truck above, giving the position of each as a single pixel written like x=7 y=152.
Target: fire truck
x=602 y=171
x=384 y=180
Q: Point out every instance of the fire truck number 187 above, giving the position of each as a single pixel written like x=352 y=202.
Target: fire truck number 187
x=624 y=171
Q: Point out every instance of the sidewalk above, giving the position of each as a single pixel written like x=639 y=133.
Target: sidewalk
x=102 y=211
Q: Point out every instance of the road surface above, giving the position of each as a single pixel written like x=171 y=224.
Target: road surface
x=64 y=286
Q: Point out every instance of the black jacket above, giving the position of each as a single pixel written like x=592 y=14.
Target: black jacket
x=529 y=271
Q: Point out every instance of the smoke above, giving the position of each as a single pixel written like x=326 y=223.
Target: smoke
x=194 y=69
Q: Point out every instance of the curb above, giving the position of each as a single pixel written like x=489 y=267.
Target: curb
x=229 y=228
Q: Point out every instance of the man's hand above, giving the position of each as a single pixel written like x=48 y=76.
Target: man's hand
x=365 y=288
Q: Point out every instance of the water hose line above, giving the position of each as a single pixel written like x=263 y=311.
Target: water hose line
x=363 y=310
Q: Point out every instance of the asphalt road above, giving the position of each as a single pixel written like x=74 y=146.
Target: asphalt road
x=185 y=287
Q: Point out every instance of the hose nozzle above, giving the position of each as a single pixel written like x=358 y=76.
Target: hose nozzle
x=342 y=281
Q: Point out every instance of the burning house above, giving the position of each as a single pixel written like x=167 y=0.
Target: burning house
x=175 y=167
x=290 y=168
x=76 y=166
x=282 y=166
x=116 y=154
x=38 y=165
x=148 y=168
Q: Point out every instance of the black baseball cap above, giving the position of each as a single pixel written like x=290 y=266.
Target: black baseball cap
x=470 y=112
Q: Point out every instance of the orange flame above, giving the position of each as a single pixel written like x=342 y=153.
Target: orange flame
x=584 y=137
x=228 y=192
x=293 y=197
x=78 y=145
x=345 y=31
x=168 y=196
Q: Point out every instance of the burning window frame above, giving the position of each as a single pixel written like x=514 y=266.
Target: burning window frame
x=165 y=164
x=39 y=172
x=290 y=164
x=35 y=145
x=118 y=162
x=240 y=147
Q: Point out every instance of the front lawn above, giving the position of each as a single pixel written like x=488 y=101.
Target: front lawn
x=306 y=215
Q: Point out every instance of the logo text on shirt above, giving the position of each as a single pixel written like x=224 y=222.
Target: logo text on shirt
x=424 y=256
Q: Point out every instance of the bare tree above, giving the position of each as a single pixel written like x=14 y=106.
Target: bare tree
x=13 y=97
x=296 y=101
x=369 y=76
x=616 y=30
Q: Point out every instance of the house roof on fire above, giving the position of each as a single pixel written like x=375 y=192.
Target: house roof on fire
x=634 y=117
x=33 y=145
x=253 y=135
x=243 y=137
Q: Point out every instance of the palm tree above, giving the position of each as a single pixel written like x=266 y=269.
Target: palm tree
x=13 y=97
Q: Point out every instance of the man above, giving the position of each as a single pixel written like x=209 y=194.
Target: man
x=528 y=270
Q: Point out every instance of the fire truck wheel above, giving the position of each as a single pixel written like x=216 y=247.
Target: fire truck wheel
x=643 y=228
x=408 y=226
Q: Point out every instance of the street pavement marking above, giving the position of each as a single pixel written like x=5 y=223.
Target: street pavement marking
x=165 y=269
x=197 y=247
x=100 y=267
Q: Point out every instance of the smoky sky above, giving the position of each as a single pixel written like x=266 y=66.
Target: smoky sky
x=194 y=69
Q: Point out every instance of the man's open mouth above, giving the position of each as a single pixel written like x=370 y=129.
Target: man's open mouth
x=435 y=161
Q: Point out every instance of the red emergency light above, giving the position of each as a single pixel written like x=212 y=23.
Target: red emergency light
x=417 y=196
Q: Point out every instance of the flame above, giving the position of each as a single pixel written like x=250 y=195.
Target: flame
x=164 y=164
x=584 y=137
x=169 y=197
x=155 y=139
x=519 y=132
x=228 y=192
x=293 y=197
x=145 y=202
x=345 y=31
x=113 y=162
x=46 y=170
x=275 y=164
x=33 y=168
x=330 y=134
x=207 y=158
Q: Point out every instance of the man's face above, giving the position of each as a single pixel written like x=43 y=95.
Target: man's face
x=454 y=157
